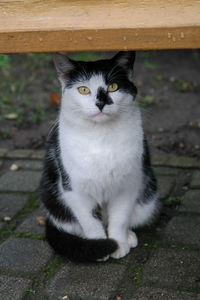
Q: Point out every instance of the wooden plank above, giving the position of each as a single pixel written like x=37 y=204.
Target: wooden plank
x=93 y=25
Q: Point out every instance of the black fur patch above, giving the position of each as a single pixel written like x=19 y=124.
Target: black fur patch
x=149 y=177
x=53 y=170
x=97 y=212
x=111 y=70
x=103 y=98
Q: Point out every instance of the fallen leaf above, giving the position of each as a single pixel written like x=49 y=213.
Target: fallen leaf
x=11 y=116
x=160 y=129
x=14 y=167
x=55 y=99
x=41 y=220
x=7 y=219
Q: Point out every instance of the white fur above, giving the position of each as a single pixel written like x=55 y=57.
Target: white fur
x=143 y=213
x=103 y=157
x=72 y=228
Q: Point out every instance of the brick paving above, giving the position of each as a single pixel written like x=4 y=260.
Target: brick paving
x=165 y=265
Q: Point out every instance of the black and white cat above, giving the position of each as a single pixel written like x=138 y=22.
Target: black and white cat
x=97 y=183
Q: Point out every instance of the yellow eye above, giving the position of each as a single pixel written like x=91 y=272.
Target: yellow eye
x=112 y=87
x=84 y=90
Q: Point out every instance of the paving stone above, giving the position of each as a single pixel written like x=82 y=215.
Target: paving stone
x=146 y=293
x=183 y=230
x=165 y=185
x=19 y=153
x=1 y=163
x=195 y=182
x=20 y=181
x=183 y=162
x=38 y=154
x=11 y=204
x=29 y=164
x=175 y=161
x=159 y=160
x=13 y=288
x=191 y=202
x=166 y=171
x=3 y=152
x=92 y=281
x=173 y=267
x=24 y=255
x=31 y=225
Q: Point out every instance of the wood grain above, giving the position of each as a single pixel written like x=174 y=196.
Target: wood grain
x=94 y=25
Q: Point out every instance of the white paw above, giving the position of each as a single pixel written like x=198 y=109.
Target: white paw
x=103 y=259
x=132 y=239
x=122 y=250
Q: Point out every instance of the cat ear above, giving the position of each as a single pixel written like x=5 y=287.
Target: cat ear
x=63 y=66
x=126 y=60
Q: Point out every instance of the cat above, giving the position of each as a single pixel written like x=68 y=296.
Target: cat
x=97 y=182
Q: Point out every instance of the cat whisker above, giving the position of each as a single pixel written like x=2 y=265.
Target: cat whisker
x=52 y=126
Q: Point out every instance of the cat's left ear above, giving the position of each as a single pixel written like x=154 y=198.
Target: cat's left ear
x=63 y=66
x=126 y=60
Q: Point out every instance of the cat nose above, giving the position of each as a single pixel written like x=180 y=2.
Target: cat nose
x=100 y=105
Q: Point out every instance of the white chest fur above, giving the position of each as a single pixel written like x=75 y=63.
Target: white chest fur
x=100 y=158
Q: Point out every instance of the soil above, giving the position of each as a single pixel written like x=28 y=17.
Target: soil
x=168 y=92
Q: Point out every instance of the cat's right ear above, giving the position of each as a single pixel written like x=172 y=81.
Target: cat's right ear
x=63 y=66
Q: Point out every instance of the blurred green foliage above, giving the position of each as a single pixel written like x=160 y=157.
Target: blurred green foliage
x=4 y=61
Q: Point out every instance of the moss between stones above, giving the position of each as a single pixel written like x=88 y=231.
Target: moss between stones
x=8 y=230
x=54 y=264
x=171 y=201
x=28 y=235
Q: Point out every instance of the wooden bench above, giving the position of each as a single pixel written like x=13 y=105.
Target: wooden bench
x=93 y=25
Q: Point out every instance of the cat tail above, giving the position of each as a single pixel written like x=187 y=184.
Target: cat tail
x=78 y=249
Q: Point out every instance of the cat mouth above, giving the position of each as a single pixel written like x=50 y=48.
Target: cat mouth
x=100 y=114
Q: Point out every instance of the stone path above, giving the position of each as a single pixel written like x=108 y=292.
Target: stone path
x=165 y=265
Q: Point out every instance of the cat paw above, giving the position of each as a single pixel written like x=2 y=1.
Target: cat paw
x=103 y=258
x=132 y=239
x=122 y=250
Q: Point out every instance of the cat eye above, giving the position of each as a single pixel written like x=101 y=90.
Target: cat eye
x=112 y=87
x=84 y=90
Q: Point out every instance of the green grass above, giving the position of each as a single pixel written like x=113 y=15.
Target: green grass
x=38 y=114
x=49 y=271
x=136 y=273
x=184 y=86
x=31 y=291
x=171 y=201
x=87 y=56
x=161 y=77
x=5 y=61
x=8 y=230
x=116 y=261
x=148 y=99
x=28 y=235
x=196 y=55
x=149 y=65
x=36 y=60
x=5 y=133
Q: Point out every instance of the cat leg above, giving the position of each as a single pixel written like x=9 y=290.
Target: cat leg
x=82 y=208
x=145 y=211
x=119 y=215
x=132 y=239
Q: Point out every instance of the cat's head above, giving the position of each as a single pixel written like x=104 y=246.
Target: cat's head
x=97 y=91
